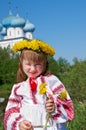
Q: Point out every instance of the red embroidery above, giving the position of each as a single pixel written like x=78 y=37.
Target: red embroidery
x=8 y=114
x=68 y=106
x=13 y=100
x=69 y=109
x=58 y=88
x=15 y=123
x=19 y=97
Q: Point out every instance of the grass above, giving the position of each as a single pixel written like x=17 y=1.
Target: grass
x=79 y=122
x=2 y=109
x=5 y=90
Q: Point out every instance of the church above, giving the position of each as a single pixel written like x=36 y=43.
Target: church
x=14 y=28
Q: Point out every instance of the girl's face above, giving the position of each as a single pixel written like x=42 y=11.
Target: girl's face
x=32 y=69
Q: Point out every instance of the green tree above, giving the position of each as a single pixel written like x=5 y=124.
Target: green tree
x=8 y=65
x=53 y=65
x=75 y=80
x=63 y=66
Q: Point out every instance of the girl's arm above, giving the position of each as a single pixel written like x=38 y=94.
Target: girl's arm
x=64 y=109
x=12 y=115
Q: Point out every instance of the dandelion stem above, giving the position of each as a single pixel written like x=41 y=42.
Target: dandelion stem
x=47 y=119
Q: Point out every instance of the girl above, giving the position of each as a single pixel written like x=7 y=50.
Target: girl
x=39 y=100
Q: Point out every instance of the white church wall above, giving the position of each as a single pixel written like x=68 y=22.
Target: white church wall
x=10 y=42
x=10 y=33
x=29 y=35
x=18 y=32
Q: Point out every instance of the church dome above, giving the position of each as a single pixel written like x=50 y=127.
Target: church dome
x=18 y=22
x=6 y=22
x=29 y=27
x=0 y=27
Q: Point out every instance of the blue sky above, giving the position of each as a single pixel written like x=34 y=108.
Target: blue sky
x=60 y=23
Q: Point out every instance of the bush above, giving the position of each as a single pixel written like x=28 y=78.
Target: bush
x=5 y=90
x=79 y=122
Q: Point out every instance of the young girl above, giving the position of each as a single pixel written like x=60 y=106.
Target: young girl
x=39 y=100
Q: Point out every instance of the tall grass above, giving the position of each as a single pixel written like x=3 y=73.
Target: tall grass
x=79 y=122
x=5 y=90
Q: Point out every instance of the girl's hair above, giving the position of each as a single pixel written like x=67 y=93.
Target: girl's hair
x=31 y=56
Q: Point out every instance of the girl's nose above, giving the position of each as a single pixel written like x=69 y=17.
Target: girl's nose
x=32 y=68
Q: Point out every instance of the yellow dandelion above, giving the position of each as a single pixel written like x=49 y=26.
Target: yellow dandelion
x=63 y=95
x=42 y=88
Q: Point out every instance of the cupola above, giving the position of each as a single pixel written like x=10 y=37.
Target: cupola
x=29 y=27
x=6 y=22
x=18 y=22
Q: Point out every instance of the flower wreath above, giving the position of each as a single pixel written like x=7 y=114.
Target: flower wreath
x=35 y=45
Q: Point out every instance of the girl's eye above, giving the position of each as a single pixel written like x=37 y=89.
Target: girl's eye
x=38 y=65
x=28 y=64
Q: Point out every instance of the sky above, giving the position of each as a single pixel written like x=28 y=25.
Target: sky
x=60 y=23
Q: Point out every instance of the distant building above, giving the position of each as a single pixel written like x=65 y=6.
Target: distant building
x=13 y=29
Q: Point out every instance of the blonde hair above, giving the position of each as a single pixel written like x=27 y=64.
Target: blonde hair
x=34 y=56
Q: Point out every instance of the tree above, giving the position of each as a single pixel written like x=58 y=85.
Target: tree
x=8 y=65
x=63 y=66
x=53 y=65
x=75 y=80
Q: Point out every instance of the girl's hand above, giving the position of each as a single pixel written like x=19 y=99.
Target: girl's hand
x=25 y=125
x=50 y=106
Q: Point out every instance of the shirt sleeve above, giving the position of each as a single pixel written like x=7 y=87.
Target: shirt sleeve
x=12 y=115
x=64 y=109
